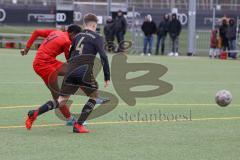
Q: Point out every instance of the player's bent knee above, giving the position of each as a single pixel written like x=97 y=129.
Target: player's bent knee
x=94 y=95
x=62 y=100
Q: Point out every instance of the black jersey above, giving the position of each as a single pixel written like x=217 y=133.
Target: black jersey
x=84 y=48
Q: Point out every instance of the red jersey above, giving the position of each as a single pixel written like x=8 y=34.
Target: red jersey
x=55 y=43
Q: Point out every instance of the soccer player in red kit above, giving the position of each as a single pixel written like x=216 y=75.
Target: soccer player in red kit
x=45 y=63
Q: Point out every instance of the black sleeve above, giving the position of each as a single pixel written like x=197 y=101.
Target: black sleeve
x=143 y=27
x=154 y=28
x=124 y=24
x=104 y=58
x=105 y=30
x=160 y=25
x=167 y=27
x=180 y=27
x=170 y=27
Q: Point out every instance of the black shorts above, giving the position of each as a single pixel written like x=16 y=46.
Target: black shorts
x=79 y=77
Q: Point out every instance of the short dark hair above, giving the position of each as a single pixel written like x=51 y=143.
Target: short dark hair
x=224 y=21
x=174 y=15
x=90 y=17
x=73 y=28
x=231 y=20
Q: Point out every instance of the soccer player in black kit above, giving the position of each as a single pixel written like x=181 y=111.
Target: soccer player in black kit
x=84 y=48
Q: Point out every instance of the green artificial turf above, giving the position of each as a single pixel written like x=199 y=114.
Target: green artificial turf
x=209 y=133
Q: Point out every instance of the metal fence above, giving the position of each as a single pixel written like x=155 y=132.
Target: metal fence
x=202 y=42
x=137 y=9
x=160 y=4
x=139 y=36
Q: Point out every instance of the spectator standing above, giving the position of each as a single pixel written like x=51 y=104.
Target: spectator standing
x=232 y=36
x=219 y=45
x=109 y=32
x=149 y=28
x=120 y=26
x=214 y=44
x=223 y=34
x=175 y=28
x=162 y=31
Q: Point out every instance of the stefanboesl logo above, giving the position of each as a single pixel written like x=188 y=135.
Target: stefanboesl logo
x=61 y=17
x=2 y=15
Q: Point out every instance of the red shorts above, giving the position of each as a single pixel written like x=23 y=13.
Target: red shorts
x=47 y=69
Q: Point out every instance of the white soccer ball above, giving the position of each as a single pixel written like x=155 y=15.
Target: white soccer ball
x=223 y=98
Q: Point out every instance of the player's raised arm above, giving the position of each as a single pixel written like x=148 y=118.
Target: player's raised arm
x=104 y=60
x=36 y=33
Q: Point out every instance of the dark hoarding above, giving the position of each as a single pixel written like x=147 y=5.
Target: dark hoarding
x=26 y=15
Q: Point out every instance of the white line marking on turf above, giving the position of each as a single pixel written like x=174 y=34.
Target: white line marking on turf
x=123 y=104
x=18 y=107
x=179 y=82
x=21 y=83
x=122 y=122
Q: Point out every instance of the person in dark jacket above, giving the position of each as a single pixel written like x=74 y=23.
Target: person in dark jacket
x=120 y=26
x=162 y=31
x=149 y=28
x=232 y=37
x=109 y=32
x=223 y=34
x=175 y=28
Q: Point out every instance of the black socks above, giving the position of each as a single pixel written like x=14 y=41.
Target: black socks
x=47 y=107
x=86 y=111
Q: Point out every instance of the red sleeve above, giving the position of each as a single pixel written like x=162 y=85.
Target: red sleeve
x=66 y=50
x=38 y=33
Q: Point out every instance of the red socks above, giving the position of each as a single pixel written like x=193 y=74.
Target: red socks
x=65 y=111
